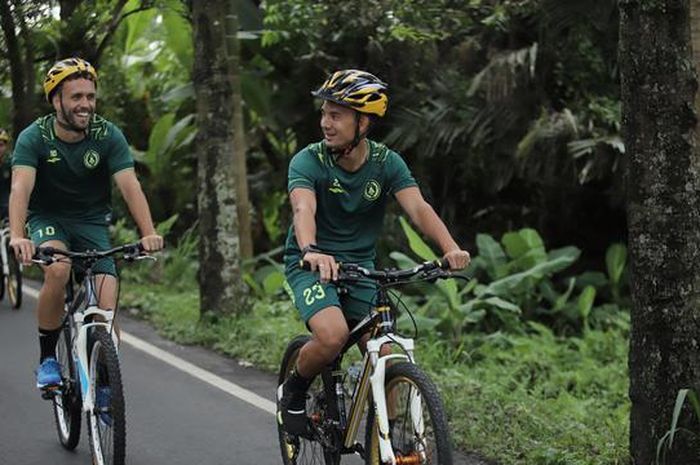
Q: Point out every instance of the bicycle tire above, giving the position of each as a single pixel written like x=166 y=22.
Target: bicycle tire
x=67 y=404
x=402 y=380
x=297 y=450
x=14 y=280
x=2 y=279
x=106 y=428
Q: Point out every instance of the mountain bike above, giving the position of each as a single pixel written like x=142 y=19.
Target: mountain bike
x=11 y=269
x=405 y=421
x=87 y=352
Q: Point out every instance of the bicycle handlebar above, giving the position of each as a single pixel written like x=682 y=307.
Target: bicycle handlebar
x=436 y=269
x=134 y=251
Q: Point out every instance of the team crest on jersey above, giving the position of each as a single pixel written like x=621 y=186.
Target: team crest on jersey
x=91 y=159
x=53 y=156
x=372 y=190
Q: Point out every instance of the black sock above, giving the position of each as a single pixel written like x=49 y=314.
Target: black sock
x=297 y=383
x=47 y=342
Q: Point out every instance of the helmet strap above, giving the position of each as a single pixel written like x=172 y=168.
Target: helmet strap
x=345 y=151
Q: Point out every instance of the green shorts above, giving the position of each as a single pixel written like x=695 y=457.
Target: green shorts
x=77 y=235
x=311 y=296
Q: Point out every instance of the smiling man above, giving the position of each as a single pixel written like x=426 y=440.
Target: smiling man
x=62 y=168
x=339 y=189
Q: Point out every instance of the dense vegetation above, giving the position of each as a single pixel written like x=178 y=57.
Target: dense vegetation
x=508 y=114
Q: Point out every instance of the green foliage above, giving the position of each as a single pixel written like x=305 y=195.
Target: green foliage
x=666 y=442
x=516 y=281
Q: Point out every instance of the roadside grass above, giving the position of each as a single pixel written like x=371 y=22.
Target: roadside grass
x=531 y=399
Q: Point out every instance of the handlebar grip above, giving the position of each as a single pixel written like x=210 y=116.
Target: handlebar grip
x=443 y=264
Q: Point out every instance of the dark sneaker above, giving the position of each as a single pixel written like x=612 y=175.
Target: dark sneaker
x=48 y=374
x=103 y=399
x=291 y=412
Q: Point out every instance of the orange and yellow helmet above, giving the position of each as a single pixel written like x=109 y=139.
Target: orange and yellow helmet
x=359 y=90
x=63 y=69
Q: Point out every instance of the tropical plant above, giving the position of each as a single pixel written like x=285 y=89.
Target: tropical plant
x=514 y=281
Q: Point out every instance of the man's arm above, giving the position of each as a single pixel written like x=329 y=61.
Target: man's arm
x=429 y=223
x=23 y=178
x=130 y=188
x=304 y=210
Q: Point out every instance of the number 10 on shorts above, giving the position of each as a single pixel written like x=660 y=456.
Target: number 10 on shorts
x=47 y=231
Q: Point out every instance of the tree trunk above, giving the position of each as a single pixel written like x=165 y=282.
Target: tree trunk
x=240 y=170
x=23 y=109
x=658 y=91
x=695 y=41
x=221 y=287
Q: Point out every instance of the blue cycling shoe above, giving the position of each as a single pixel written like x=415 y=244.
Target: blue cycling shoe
x=103 y=401
x=48 y=374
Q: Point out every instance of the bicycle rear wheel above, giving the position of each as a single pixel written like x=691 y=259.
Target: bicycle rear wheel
x=408 y=392
x=14 y=280
x=66 y=400
x=298 y=450
x=106 y=422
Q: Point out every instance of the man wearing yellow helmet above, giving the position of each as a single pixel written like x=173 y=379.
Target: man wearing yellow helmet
x=339 y=189
x=4 y=172
x=62 y=166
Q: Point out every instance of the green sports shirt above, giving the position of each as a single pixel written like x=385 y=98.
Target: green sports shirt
x=73 y=180
x=349 y=206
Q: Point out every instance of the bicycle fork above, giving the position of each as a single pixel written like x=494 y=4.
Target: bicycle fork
x=377 y=381
x=80 y=348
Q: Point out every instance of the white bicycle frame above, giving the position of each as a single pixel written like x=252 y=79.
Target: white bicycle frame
x=80 y=343
x=376 y=364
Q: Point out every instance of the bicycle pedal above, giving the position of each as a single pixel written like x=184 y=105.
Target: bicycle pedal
x=49 y=392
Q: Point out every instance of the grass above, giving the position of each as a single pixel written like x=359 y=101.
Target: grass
x=534 y=399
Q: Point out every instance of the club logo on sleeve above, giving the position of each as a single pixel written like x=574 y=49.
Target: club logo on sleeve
x=91 y=159
x=372 y=190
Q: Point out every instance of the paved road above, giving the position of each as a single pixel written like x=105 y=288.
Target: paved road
x=172 y=417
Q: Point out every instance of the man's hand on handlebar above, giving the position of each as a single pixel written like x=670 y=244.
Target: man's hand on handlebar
x=457 y=259
x=326 y=265
x=24 y=249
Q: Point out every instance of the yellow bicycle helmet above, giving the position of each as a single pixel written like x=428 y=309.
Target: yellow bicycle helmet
x=359 y=90
x=4 y=136
x=63 y=69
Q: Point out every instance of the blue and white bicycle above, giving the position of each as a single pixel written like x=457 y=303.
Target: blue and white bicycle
x=87 y=352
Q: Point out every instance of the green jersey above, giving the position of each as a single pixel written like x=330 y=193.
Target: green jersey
x=73 y=180
x=349 y=206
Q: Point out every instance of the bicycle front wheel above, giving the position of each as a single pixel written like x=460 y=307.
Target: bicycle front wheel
x=417 y=424
x=106 y=422
x=66 y=400
x=14 y=280
x=298 y=450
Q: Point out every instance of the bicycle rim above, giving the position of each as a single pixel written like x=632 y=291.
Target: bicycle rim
x=14 y=281
x=106 y=425
x=296 y=450
x=66 y=401
x=418 y=428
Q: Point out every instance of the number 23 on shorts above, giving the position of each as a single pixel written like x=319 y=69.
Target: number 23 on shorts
x=313 y=293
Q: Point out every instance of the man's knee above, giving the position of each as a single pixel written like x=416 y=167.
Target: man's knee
x=56 y=274
x=330 y=330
